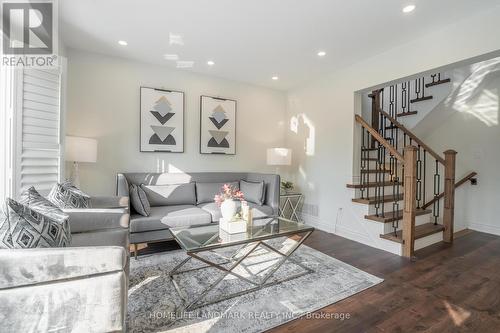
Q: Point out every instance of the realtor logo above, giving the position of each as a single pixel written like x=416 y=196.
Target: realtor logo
x=27 y=28
x=29 y=34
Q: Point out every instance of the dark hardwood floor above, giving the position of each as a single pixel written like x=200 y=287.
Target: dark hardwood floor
x=449 y=288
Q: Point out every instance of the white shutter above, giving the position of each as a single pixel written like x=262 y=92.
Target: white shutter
x=38 y=125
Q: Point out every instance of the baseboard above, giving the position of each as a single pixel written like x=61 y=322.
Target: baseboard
x=353 y=235
x=487 y=228
x=316 y=223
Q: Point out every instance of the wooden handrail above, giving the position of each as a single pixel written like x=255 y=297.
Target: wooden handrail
x=413 y=136
x=379 y=138
x=457 y=184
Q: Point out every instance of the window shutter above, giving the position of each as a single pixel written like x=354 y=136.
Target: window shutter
x=39 y=131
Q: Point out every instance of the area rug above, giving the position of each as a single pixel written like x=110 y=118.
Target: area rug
x=155 y=306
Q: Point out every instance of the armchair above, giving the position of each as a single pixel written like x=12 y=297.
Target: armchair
x=78 y=288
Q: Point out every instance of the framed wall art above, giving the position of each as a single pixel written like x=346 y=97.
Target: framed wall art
x=162 y=120
x=217 y=125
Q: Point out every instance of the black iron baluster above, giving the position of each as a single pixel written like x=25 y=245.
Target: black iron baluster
x=425 y=169
x=395 y=205
x=391 y=100
x=423 y=87
x=437 y=180
x=419 y=179
x=363 y=163
x=417 y=88
x=377 y=182
x=403 y=97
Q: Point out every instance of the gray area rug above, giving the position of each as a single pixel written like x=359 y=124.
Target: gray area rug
x=155 y=306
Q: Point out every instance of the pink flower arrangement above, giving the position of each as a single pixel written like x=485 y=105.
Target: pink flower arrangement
x=228 y=192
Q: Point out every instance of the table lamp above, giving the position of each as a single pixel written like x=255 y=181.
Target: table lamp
x=79 y=150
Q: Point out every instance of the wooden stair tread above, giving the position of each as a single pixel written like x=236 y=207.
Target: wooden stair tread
x=375 y=171
x=427 y=85
x=421 y=99
x=372 y=200
x=370 y=159
x=369 y=149
x=404 y=114
x=390 y=217
x=374 y=184
x=421 y=231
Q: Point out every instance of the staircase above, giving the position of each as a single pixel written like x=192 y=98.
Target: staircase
x=402 y=179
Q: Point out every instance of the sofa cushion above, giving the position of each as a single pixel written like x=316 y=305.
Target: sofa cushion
x=205 y=192
x=214 y=210
x=139 y=200
x=168 y=217
x=253 y=191
x=170 y=195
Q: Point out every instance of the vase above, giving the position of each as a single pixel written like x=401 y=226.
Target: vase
x=228 y=209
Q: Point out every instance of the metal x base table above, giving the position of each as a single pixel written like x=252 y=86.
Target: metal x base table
x=248 y=247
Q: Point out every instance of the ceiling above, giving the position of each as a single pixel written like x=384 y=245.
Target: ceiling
x=253 y=40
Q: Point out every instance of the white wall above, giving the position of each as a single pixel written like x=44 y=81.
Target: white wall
x=103 y=103
x=472 y=129
x=328 y=106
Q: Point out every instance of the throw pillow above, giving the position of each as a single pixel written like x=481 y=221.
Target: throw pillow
x=66 y=195
x=31 y=229
x=253 y=191
x=205 y=192
x=139 y=200
x=38 y=203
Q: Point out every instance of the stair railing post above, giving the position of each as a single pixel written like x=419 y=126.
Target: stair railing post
x=449 y=195
x=410 y=204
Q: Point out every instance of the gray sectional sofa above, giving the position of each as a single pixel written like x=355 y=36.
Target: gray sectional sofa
x=183 y=199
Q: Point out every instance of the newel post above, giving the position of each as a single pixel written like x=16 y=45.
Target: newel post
x=410 y=204
x=449 y=195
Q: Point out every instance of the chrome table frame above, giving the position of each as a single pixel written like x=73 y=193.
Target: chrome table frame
x=195 y=303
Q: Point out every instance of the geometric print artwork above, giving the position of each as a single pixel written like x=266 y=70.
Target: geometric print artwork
x=65 y=195
x=162 y=120
x=22 y=227
x=217 y=125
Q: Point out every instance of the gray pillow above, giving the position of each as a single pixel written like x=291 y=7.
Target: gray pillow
x=169 y=195
x=139 y=200
x=205 y=192
x=253 y=191
x=27 y=228
x=65 y=195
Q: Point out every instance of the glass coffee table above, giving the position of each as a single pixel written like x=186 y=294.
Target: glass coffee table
x=196 y=240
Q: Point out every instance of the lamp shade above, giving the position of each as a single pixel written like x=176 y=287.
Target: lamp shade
x=279 y=156
x=80 y=149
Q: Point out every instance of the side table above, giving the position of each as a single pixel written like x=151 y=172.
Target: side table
x=289 y=203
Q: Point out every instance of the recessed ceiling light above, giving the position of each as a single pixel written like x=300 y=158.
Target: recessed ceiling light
x=122 y=43
x=210 y=63
x=185 y=64
x=275 y=78
x=409 y=9
x=173 y=57
x=321 y=53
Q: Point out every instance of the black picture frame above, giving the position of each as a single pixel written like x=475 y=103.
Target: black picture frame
x=183 y=120
x=201 y=124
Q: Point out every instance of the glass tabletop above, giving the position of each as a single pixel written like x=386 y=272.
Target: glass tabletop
x=208 y=236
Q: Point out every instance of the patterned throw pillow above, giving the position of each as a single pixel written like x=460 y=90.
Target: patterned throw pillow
x=27 y=228
x=139 y=200
x=65 y=195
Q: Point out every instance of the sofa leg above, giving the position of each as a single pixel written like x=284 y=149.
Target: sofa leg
x=135 y=251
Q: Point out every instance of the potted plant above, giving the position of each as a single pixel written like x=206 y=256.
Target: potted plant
x=287 y=186
x=227 y=201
